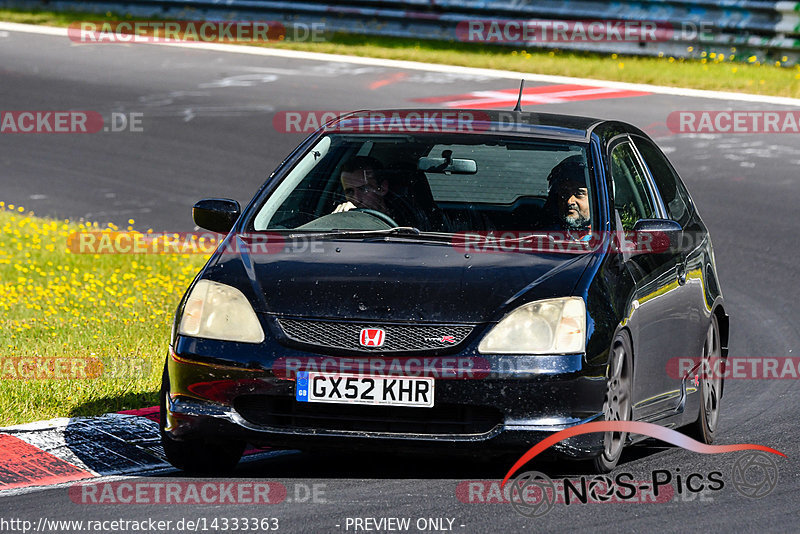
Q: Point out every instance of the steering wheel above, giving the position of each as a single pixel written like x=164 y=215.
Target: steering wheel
x=379 y=215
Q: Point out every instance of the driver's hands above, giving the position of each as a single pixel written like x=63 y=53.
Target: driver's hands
x=344 y=206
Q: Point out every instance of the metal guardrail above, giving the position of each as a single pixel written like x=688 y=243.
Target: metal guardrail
x=748 y=30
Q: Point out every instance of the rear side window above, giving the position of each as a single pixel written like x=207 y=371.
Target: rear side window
x=673 y=193
x=632 y=198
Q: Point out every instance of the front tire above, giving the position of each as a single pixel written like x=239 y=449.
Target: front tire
x=197 y=456
x=617 y=405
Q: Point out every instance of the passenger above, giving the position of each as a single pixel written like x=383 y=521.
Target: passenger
x=568 y=195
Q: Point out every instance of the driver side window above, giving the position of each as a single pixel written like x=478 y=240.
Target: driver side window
x=632 y=198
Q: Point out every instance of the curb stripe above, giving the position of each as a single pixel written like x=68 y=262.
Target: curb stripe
x=23 y=465
x=531 y=96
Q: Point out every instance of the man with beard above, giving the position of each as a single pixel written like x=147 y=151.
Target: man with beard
x=568 y=195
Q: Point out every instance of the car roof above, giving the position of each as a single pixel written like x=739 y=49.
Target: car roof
x=567 y=127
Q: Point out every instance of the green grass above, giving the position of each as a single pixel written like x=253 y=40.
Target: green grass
x=115 y=309
x=713 y=73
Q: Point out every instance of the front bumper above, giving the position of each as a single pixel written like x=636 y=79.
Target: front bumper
x=507 y=403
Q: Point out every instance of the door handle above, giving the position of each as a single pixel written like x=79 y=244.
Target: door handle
x=682 y=273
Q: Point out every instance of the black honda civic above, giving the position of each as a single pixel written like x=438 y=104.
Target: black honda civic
x=460 y=280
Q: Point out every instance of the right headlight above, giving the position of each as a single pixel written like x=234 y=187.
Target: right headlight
x=551 y=326
x=219 y=311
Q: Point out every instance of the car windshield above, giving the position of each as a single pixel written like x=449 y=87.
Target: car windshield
x=433 y=183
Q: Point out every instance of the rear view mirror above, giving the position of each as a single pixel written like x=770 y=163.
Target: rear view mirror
x=447 y=164
x=216 y=214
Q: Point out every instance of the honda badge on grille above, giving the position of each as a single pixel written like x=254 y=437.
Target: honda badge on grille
x=372 y=337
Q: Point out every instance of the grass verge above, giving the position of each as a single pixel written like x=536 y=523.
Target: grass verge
x=716 y=72
x=57 y=306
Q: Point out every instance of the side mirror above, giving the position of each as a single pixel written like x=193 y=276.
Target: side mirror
x=216 y=214
x=657 y=236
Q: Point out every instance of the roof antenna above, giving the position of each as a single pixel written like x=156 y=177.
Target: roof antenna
x=518 y=107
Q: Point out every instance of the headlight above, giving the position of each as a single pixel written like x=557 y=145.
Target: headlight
x=552 y=326
x=218 y=311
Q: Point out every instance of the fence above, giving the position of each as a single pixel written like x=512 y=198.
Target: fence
x=747 y=30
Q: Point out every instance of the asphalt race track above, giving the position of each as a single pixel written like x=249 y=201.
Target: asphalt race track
x=207 y=120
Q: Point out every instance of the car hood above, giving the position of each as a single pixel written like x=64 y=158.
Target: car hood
x=399 y=280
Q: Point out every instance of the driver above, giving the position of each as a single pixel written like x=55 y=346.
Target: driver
x=364 y=188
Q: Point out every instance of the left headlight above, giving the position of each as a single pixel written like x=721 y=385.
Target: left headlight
x=219 y=311
x=552 y=326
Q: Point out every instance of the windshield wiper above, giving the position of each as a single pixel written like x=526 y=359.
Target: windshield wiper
x=399 y=231
x=531 y=237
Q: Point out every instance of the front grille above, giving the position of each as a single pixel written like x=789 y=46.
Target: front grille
x=398 y=338
x=448 y=419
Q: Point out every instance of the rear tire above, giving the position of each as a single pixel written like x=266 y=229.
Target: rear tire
x=617 y=405
x=197 y=456
x=710 y=387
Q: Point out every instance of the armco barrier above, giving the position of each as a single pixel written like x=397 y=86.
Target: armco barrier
x=748 y=30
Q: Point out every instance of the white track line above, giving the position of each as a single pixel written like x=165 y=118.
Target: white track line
x=414 y=65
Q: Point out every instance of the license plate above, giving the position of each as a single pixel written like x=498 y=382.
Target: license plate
x=364 y=389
